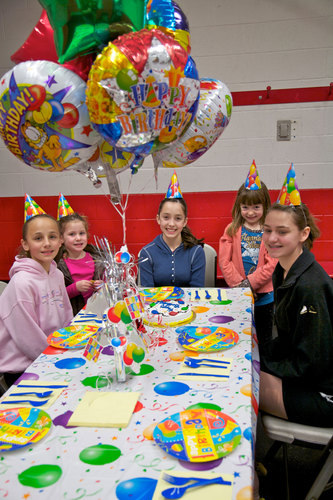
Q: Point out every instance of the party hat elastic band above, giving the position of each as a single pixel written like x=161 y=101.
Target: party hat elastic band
x=31 y=208
x=289 y=194
x=252 y=180
x=174 y=189
x=64 y=207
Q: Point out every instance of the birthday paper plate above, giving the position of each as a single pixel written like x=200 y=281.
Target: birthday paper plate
x=73 y=336
x=162 y=293
x=198 y=435
x=22 y=426
x=206 y=338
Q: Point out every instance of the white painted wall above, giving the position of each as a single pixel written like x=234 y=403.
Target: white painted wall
x=247 y=44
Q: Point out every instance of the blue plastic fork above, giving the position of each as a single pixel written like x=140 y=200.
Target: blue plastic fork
x=44 y=394
x=202 y=360
x=196 y=364
x=178 y=492
x=30 y=403
x=180 y=481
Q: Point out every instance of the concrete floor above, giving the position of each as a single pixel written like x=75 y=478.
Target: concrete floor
x=302 y=470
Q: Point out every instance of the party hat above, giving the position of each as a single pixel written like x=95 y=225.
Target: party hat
x=64 y=207
x=252 y=180
x=289 y=194
x=31 y=208
x=174 y=189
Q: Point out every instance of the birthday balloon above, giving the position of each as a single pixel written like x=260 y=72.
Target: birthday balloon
x=142 y=92
x=40 y=476
x=167 y=16
x=211 y=119
x=82 y=27
x=40 y=46
x=43 y=119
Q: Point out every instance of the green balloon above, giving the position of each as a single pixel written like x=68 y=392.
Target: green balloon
x=125 y=317
x=100 y=454
x=40 y=476
x=200 y=406
x=138 y=354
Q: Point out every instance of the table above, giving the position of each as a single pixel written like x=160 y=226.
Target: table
x=140 y=457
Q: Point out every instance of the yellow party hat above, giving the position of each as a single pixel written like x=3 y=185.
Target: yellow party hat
x=174 y=189
x=289 y=194
x=64 y=207
x=31 y=208
x=252 y=180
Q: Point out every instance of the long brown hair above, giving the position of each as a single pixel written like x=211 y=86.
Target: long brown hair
x=188 y=239
x=248 y=197
x=302 y=218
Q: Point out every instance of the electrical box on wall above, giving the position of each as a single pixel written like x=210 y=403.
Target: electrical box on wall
x=283 y=131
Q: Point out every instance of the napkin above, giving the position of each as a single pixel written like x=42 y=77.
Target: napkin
x=211 y=491
x=104 y=409
x=205 y=372
x=9 y=401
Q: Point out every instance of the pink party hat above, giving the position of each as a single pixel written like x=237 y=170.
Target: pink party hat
x=64 y=207
x=252 y=180
x=174 y=189
x=289 y=194
x=31 y=208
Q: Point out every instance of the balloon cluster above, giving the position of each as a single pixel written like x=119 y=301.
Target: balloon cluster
x=143 y=95
x=131 y=351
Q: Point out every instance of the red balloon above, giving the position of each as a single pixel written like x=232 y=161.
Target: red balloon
x=39 y=46
x=128 y=361
x=39 y=94
x=122 y=340
x=71 y=116
x=112 y=315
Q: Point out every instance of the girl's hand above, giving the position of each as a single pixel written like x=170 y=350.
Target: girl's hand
x=83 y=286
x=97 y=284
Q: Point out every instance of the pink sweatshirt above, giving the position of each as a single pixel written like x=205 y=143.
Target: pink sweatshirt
x=33 y=305
x=231 y=264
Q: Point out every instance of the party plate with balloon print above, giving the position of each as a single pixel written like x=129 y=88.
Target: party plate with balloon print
x=162 y=293
x=22 y=426
x=206 y=338
x=72 y=337
x=198 y=435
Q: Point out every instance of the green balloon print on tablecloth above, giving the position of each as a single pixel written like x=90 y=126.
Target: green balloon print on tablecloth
x=40 y=476
x=100 y=454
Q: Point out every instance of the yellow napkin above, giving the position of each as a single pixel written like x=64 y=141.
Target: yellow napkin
x=205 y=372
x=211 y=491
x=104 y=409
x=9 y=401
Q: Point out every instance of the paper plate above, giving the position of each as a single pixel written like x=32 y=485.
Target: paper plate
x=72 y=337
x=206 y=338
x=162 y=293
x=198 y=435
x=21 y=427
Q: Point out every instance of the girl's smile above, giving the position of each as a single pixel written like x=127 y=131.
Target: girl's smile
x=171 y=221
x=75 y=239
x=252 y=215
x=42 y=241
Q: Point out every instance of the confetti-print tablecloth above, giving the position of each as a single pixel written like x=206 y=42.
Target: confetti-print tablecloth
x=117 y=464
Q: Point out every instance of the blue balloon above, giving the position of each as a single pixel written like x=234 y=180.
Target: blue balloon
x=171 y=388
x=138 y=488
x=70 y=363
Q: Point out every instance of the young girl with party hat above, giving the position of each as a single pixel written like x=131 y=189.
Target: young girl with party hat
x=35 y=302
x=78 y=260
x=243 y=258
x=175 y=257
x=296 y=380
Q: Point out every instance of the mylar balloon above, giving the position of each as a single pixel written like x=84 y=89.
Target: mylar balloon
x=43 y=118
x=86 y=26
x=213 y=116
x=168 y=16
x=40 y=46
x=142 y=92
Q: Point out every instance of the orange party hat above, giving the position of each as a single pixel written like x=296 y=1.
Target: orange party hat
x=252 y=180
x=31 y=208
x=289 y=194
x=174 y=189
x=64 y=207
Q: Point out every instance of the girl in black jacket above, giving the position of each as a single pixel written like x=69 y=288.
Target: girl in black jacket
x=296 y=381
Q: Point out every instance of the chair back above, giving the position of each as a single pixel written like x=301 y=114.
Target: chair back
x=3 y=285
x=211 y=263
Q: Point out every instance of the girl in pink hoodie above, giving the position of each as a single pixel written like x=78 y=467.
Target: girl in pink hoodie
x=35 y=302
x=243 y=258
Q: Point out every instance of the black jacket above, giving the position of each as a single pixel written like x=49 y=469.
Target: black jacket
x=303 y=350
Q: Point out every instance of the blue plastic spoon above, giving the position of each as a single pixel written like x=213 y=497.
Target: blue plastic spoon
x=172 y=493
